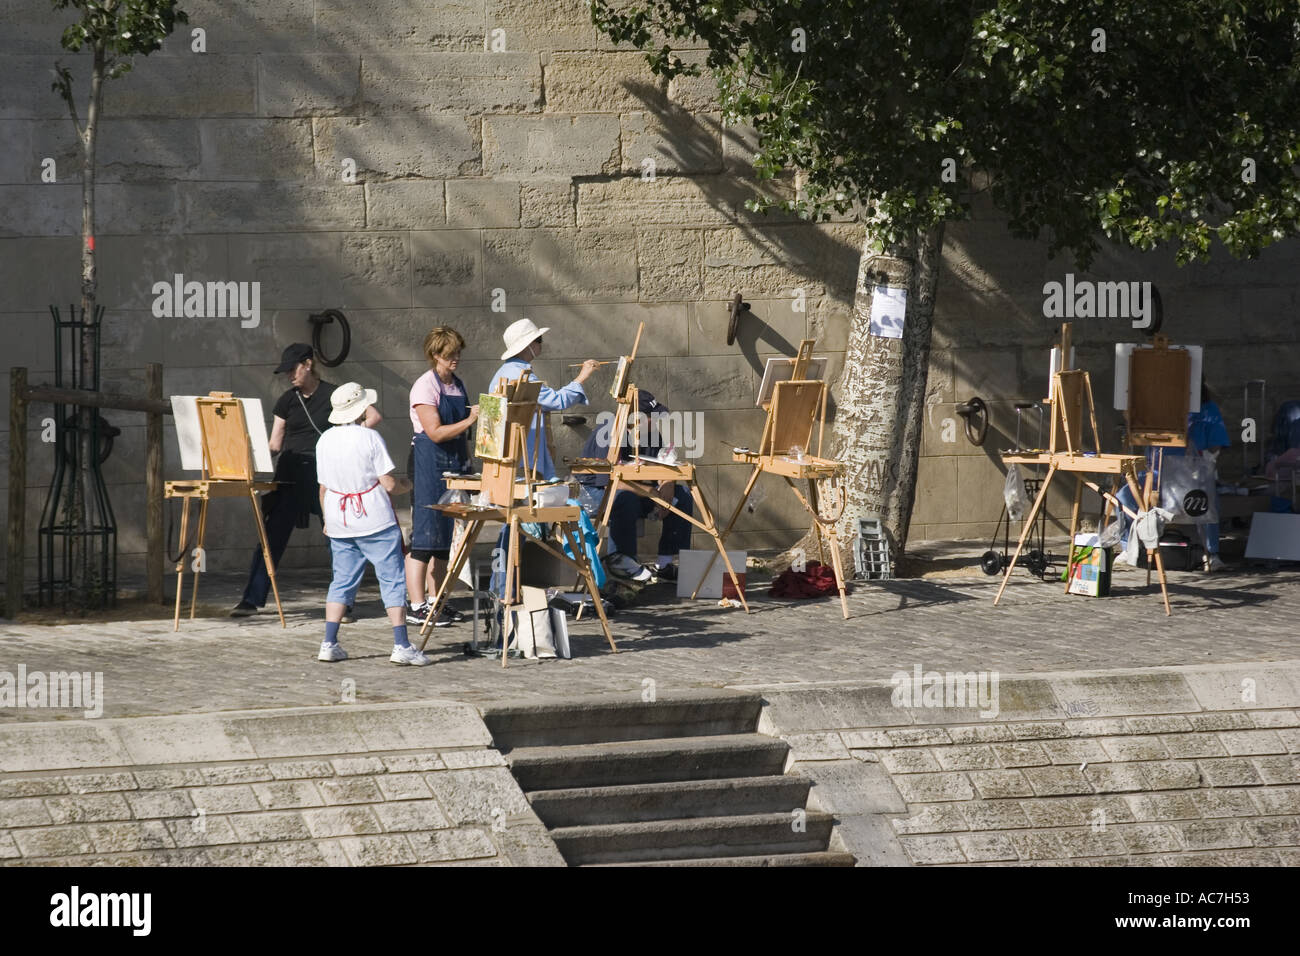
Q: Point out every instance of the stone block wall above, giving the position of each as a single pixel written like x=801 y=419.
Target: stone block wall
x=516 y=161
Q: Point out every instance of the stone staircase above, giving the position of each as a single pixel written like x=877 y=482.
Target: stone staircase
x=679 y=782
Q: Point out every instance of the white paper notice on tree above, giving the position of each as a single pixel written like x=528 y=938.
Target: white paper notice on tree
x=888 y=306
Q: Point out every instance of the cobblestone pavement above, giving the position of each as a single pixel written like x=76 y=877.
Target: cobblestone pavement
x=946 y=623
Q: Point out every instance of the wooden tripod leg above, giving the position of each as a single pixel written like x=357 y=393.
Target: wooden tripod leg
x=512 y=572
x=1164 y=586
x=1110 y=505
x=838 y=565
x=722 y=538
x=1153 y=501
x=1146 y=506
x=1074 y=527
x=607 y=503
x=1141 y=499
x=1024 y=532
x=454 y=567
x=573 y=533
x=203 y=560
x=703 y=507
x=726 y=561
x=266 y=553
x=180 y=564
x=813 y=506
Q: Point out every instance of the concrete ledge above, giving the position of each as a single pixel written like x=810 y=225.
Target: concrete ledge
x=239 y=735
x=793 y=709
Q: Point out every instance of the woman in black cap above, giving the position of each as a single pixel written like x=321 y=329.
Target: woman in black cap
x=301 y=416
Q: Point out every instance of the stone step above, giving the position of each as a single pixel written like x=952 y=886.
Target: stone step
x=758 y=834
x=595 y=720
x=827 y=858
x=640 y=802
x=647 y=761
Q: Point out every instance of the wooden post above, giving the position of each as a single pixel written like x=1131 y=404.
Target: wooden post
x=17 y=492
x=154 y=487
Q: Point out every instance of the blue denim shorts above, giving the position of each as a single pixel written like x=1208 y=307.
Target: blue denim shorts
x=383 y=549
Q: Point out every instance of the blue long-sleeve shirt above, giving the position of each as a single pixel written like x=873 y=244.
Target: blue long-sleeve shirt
x=550 y=400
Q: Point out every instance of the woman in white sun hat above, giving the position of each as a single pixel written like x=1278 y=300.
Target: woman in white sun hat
x=355 y=475
x=523 y=342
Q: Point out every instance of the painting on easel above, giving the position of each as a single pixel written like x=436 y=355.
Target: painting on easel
x=619 y=387
x=490 y=442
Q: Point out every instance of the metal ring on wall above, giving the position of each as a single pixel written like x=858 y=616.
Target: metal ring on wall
x=321 y=319
x=970 y=411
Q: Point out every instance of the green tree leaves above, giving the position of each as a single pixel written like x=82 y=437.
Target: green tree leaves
x=122 y=29
x=1088 y=117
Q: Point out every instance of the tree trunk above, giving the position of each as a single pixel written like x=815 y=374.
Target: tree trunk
x=880 y=408
x=86 y=417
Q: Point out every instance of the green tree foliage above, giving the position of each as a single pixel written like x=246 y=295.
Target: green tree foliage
x=1174 y=121
x=122 y=29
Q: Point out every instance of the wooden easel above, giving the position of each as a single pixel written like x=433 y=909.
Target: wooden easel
x=1071 y=392
x=227 y=473
x=1159 y=399
x=797 y=404
x=500 y=484
x=637 y=475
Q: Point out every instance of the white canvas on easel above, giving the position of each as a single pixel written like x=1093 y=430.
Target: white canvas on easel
x=189 y=435
x=782 y=369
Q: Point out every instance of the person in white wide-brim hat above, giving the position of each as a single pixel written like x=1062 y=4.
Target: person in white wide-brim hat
x=356 y=478
x=523 y=340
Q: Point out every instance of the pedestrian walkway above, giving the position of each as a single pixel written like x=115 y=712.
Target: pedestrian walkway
x=945 y=623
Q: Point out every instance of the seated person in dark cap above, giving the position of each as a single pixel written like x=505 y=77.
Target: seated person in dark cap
x=630 y=507
x=301 y=416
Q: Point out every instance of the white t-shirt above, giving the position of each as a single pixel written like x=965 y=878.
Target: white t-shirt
x=349 y=461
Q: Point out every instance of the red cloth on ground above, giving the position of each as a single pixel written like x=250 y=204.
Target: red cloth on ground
x=816 y=580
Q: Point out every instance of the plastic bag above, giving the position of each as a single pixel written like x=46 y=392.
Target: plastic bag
x=588 y=499
x=1187 y=489
x=1111 y=535
x=1013 y=493
x=454 y=496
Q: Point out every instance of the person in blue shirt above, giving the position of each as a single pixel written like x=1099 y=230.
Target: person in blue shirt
x=1207 y=434
x=523 y=342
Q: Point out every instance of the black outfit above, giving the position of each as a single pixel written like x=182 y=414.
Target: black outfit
x=628 y=507
x=298 y=497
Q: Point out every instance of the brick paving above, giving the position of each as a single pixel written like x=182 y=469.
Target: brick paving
x=950 y=623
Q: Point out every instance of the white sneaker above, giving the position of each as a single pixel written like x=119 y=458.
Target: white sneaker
x=1214 y=563
x=626 y=567
x=409 y=655
x=331 y=652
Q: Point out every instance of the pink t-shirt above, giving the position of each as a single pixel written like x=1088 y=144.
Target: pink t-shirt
x=427 y=390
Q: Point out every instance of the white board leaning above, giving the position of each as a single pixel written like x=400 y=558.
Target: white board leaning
x=185 y=413
x=782 y=370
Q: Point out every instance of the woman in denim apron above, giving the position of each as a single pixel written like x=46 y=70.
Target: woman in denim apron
x=440 y=445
